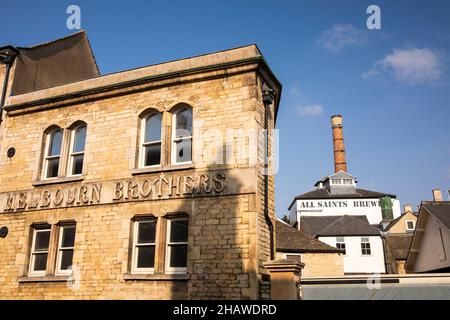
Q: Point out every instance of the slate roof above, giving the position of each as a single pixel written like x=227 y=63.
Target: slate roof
x=440 y=210
x=338 y=226
x=399 y=244
x=54 y=63
x=325 y=194
x=290 y=239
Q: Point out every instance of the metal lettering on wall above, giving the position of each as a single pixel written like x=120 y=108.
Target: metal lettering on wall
x=114 y=191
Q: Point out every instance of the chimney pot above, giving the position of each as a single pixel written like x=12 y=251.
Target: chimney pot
x=437 y=194
x=340 y=163
x=407 y=207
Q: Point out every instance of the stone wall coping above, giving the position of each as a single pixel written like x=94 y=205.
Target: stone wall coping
x=155 y=277
x=283 y=265
x=171 y=67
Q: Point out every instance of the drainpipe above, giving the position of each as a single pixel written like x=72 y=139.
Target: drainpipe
x=268 y=97
x=387 y=264
x=7 y=56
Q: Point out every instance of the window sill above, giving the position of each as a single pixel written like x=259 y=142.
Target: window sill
x=156 y=277
x=38 y=183
x=32 y=279
x=162 y=169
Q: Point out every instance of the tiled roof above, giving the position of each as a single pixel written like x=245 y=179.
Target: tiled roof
x=290 y=239
x=440 y=209
x=337 y=226
x=399 y=245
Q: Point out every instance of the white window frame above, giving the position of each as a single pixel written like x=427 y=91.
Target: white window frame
x=175 y=139
x=336 y=181
x=347 y=180
x=72 y=154
x=366 y=240
x=168 y=268
x=406 y=225
x=33 y=252
x=59 y=271
x=47 y=157
x=341 y=242
x=143 y=144
x=136 y=245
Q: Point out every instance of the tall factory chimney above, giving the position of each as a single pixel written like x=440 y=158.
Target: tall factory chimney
x=340 y=163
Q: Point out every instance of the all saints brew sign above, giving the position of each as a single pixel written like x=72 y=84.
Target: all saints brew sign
x=324 y=204
x=162 y=187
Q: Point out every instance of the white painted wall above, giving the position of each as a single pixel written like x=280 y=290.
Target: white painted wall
x=354 y=261
x=339 y=207
x=434 y=252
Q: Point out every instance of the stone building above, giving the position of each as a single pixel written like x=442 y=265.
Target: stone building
x=143 y=184
x=319 y=258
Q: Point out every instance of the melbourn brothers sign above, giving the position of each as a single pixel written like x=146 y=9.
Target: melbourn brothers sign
x=114 y=191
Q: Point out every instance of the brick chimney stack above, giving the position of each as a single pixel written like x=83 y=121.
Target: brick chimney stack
x=407 y=207
x=437 y=194
x=340 y=163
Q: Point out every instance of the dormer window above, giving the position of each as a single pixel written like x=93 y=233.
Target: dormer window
x=347 y=181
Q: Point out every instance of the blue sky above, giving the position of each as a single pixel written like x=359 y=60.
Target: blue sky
x=391 y=85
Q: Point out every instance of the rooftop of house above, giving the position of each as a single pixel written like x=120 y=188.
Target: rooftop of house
x=344 y=225
x=439 y=209
x=211 y=62
x=290 y=239
x=54 y=63
x=340 y=185
x=399 y=244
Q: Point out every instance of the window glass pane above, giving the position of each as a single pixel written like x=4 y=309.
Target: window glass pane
x=179 y=231
x=146 y=257
x=184 y=123
x=42 y=240
x=77 y=166
x=178 y=256
x=40 y=262
x=183 y=150
x=153 y=128
x=66 y=259
x=146 y=232
x=52 y=168
x=152 y=154
x=68 y=237
x=80 y=139
x=55 y=143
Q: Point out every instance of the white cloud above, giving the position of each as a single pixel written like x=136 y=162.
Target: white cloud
x=340 y=36
x=310 y=110
x=411 y=66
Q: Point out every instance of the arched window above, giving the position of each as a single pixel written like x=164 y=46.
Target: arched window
x=182 y=136
x=76 y=150
x=52 y=155
x=151 y=140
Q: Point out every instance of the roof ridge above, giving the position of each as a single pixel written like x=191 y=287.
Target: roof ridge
x=54 y=40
